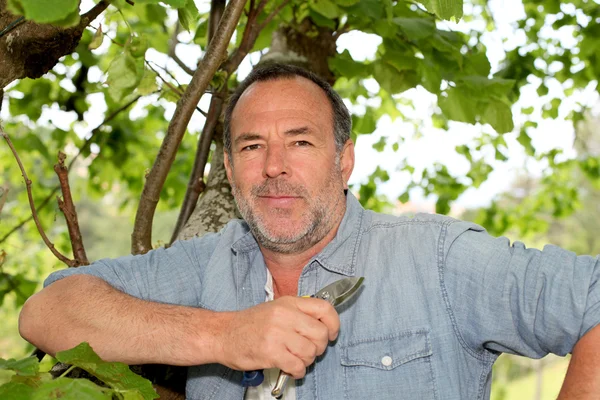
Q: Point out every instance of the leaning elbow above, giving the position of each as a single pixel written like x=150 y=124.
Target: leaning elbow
x=27 y=321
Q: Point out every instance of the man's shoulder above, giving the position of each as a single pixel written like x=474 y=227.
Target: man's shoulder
x=422 y=221
x=378 y=219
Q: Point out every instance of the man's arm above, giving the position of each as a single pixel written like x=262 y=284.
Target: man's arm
x=287 y=333
x=583 y=376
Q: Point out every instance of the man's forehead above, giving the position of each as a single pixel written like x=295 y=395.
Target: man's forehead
x=269 y=94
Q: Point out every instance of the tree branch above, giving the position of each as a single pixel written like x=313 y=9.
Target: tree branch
x=196 y=184
x=93 y=13
x=172 y=45
x=50 y=245
x=67 y=206
x=250 y=35
x=141 y=238
x=3 y=196
x=81 y=149
x=272 y=15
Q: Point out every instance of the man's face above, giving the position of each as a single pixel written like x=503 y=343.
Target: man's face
x=287 y=177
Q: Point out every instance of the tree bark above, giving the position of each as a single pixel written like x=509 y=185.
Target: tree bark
x=29 y=50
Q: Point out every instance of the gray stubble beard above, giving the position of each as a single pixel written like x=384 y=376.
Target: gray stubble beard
x=320 y=217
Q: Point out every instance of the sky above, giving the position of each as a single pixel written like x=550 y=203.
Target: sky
x=433 y=145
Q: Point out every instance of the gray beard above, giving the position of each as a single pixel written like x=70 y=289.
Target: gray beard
x=320 y=217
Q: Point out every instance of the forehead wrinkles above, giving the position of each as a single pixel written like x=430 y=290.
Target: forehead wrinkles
x=278 y=121
x=283 y=95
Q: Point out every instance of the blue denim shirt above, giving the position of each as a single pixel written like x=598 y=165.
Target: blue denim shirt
x=441 y=300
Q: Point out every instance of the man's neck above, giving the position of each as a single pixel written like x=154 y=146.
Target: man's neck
x=287 y=268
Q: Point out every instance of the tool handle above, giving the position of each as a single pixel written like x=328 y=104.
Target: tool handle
x=280 y=384
x=253 y=378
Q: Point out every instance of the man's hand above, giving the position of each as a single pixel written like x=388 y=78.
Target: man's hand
x=288 y=333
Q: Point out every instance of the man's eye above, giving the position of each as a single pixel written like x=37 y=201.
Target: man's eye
x=302 y=143
x=251 y=147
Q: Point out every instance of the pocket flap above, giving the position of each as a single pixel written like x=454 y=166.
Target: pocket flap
x=387 y=352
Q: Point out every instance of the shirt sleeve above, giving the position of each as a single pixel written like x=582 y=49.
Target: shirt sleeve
x=505 y=297
x=172 y=275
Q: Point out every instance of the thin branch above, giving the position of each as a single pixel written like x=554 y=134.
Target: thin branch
x=250 y=35
x=141 y=237
x=26 y=220
x=170 y=75
x=50 y=245
x=169 y=85
x=172 y=45
x=216 y=13
x=178 y=91
x=81 y=149
x=93 y=13
x=67 y=206
x=3 y=196
x=272 y=14
x=105 y=34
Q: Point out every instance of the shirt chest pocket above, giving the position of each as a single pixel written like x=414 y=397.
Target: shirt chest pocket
x=389 y=367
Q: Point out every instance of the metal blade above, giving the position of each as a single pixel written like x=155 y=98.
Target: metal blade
x=340 y=291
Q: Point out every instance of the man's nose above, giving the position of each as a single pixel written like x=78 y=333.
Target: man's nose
x=275 y=162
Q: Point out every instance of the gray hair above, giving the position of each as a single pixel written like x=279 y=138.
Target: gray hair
x=342 y=123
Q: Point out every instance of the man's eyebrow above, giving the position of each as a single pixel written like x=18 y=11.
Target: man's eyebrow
x=246 y=137
x=298 y=131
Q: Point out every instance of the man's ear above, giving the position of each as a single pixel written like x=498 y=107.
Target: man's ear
x=347 y=161
x=228 y=167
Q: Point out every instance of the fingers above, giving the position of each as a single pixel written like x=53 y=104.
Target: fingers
x=322 y=311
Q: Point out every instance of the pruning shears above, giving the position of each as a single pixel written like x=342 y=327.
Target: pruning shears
x=335 y=293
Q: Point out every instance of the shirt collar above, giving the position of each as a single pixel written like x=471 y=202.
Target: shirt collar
x=339 y=255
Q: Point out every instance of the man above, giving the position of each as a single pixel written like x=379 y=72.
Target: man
x=441 y=298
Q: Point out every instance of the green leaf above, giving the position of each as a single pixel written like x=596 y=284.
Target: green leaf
x=326 y=8
x=481 y=84
x=97 y=39
x=70 y=20
x=458 y=106
x=346 y=3
x=365 y=124
x=45 y=12
x=527 y=111
x=343 y=64
x=173 y=3
x=393 y=81
x=116 y=375
x=16 y=391
x=525 y=141
x=400 y=60
x=321 y=20
x=71 y=389
x=415 y=28
x=445 y=9
x=148 y=83
x=499 y=116
x=380 y=145
x=188 y=15
x=138 y=46
x=479 y=63
x=27 y=366
x=122 y=76
x=404 y=197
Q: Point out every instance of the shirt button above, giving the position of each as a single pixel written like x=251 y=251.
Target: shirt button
x=386 y=361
